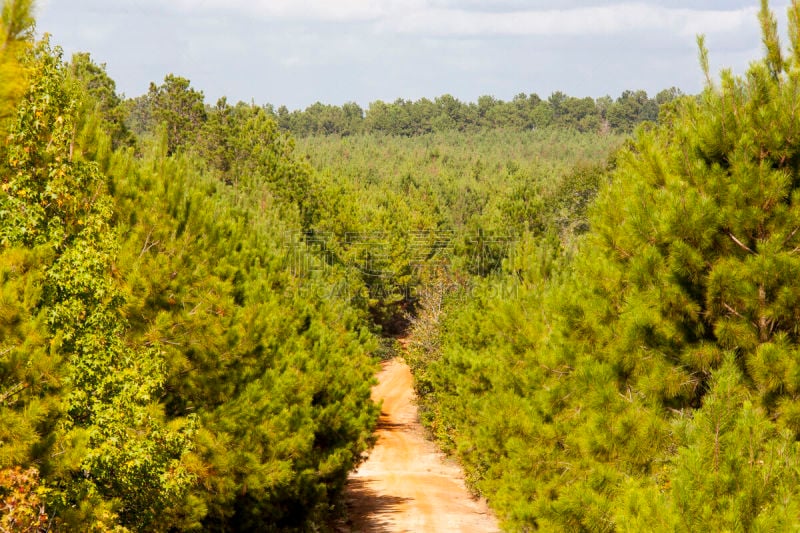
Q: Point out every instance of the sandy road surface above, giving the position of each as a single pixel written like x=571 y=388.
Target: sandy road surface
x=407 y=484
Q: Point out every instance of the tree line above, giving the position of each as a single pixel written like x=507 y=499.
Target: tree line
x=447 y=113
x=424 y=116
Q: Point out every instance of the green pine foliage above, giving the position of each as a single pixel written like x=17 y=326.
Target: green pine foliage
x=277 y=374
x=16 y=34
x=396 y=209
x=162 y=364
x=189 y=299
x=644 y=380
x=446 y=113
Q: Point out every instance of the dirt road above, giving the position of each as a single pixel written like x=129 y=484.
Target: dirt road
x=407 y=484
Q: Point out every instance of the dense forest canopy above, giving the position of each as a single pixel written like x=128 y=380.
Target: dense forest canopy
x=600 y=298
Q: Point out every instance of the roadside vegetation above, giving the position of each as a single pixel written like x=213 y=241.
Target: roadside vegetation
x=600 y=298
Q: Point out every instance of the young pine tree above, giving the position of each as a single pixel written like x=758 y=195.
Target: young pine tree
x=692 y=299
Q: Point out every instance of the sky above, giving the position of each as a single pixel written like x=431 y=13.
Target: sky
x=297 y=52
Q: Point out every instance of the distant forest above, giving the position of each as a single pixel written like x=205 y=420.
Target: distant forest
x=412 y=118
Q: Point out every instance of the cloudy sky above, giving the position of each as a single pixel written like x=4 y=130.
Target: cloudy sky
x=297 y=52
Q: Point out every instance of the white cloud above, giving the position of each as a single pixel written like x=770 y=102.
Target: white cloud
x=327 y=10
x=601 y=20
x=479 y=17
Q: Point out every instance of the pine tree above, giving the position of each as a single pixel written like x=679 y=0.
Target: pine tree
x=698 y=235
x=16 y=33
x=693 y=262
x=277 y=375
x=17 y=21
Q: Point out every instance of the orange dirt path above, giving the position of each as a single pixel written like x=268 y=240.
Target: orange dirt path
x=407 y=484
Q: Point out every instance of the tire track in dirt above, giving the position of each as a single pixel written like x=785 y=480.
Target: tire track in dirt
x=407 y=484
